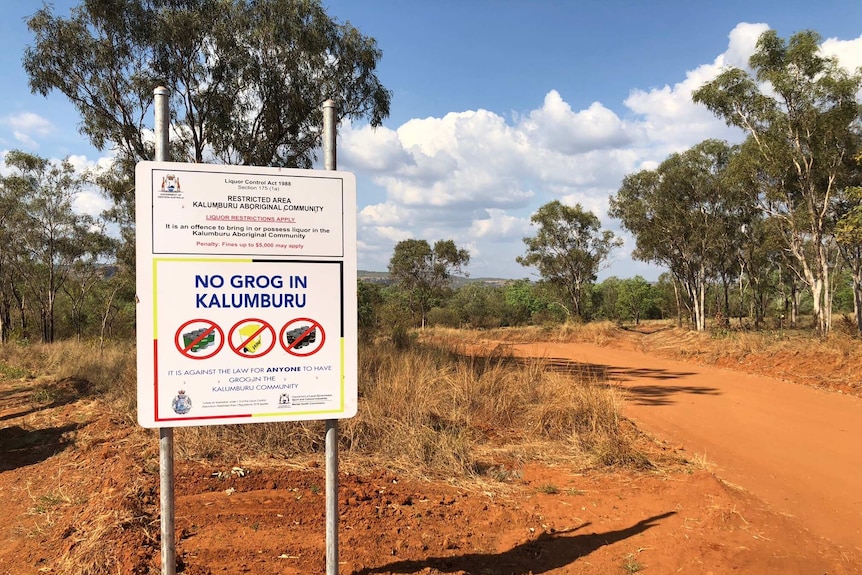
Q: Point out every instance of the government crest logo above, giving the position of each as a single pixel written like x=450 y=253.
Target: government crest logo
x=182 y=403
x=284 y=400
x=170 y=183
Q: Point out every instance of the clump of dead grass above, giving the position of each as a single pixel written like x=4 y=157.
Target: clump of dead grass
x=598 y=333
x=438 y=410
x=718 y=344
x=429 y=408
x=441 y=406
x=108 y=372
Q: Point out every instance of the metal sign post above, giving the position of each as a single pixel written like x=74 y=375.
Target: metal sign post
x=166 y=434
x=331 y=442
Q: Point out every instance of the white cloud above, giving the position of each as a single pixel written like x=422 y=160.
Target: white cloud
x=91 y=202
x=372 y=149
x=499 y=226
x=26 y=126
x=476 y=177
x=672 y=121
x=29 y=122
x=25 y=139
x=743 y=42
x=555 y=126
x=848 y=52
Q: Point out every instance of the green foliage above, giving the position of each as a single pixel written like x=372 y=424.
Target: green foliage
x=246 y=78
x=49 y=249
x=479 y=305
x=568 y=249
x=801 y=113
x=523 y=302
x=685 y=215
x=636 y=299
x=423 y=274
x=848 y=233
x=848 y=230
x=369 y=302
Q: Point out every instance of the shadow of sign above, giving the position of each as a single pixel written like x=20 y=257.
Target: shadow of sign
x=541 y=555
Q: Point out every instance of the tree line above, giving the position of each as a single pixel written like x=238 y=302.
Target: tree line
x=778 y=212
x=57 y=272
x=775 y=218
x=766 y=229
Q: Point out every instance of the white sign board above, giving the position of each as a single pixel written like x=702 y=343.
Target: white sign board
x=246 y=283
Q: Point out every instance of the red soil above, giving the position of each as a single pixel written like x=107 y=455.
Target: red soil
x=780 y=493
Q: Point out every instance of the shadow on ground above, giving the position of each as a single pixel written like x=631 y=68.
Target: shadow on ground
x=541 y=555
x=657 y=395
x=30 y=397
x=25 y=443
x=20 y=447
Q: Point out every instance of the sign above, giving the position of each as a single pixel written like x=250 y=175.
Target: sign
x=246 y=281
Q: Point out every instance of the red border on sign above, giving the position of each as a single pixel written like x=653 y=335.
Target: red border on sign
x=237 y=349
x=185 y=350
x=289 y=348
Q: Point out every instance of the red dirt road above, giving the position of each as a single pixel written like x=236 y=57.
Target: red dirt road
x=797 y=448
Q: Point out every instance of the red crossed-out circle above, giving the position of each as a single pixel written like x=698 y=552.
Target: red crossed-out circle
x=290 y=348
x=264 y=326
x=187 y=350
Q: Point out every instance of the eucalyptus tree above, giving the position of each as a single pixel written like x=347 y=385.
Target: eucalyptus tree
x=800 y=111
x=849 y=235
x=424 y=274
x=635 y=298
x=568 y=250
x=9 y=206
x=246 y=79
x=48 y=238
x=681 y=215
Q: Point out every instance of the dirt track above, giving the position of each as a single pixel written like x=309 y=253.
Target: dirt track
x=795 y=447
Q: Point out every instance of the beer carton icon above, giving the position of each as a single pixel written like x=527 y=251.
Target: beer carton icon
x=246 y=332
x=297 y=333
x=204 y=342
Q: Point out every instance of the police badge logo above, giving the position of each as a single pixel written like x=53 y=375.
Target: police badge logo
x=182 y=403
x=170 y=183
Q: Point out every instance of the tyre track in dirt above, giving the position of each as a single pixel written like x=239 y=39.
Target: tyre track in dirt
x=795 y=447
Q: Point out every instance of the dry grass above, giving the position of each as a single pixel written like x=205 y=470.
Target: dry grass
x=599 y=333
x=110 y=371
x=433 y=411
x=795 y=355
x=444 y=409
x=428 y=409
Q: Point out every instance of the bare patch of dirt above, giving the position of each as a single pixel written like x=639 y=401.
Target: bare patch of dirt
x=79 y=487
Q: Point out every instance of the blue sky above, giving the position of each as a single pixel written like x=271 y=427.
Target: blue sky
x=500 y=107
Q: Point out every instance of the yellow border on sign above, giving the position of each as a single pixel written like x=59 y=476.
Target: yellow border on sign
x=245 y=260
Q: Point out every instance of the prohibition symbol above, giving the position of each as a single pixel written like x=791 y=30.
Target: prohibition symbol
x=200 y=338
x=300 y=333
x=251 y=335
